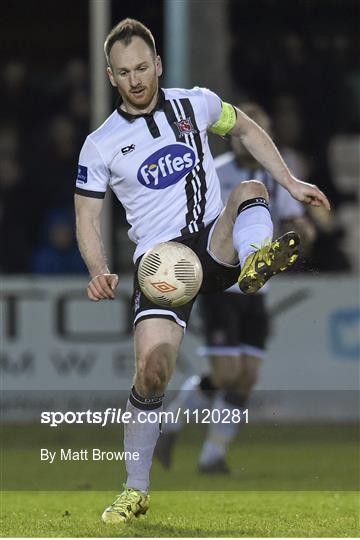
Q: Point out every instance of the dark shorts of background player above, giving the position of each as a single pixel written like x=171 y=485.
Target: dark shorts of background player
x=216 y=277
x=233 y=320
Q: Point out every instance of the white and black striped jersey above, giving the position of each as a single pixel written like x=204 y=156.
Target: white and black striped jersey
x=158 y=165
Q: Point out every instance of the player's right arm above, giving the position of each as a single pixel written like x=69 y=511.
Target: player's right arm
x=103 y=283
x=91 y=185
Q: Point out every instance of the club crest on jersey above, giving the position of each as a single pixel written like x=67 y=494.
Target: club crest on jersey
x=185 y=126
x=166 y=166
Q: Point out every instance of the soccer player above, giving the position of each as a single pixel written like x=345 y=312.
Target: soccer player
x=153 y=153
x=236 y=325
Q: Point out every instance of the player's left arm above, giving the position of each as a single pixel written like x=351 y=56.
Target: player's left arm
x=236 y=123
x=292 y=215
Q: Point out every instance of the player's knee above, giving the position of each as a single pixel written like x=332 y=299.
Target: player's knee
x=247 y=379
x=225 y=371
x=249 y=189
x=151 y=381
x=225 y=381
x=247 y=384
x=153 y=372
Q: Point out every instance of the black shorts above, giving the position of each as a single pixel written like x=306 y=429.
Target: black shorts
x=216 y=277
x=234 y=323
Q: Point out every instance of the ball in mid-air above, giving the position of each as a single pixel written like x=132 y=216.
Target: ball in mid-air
x=170 y=274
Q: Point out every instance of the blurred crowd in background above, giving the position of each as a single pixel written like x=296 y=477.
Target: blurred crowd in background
x=309 y=82
x=44 y=123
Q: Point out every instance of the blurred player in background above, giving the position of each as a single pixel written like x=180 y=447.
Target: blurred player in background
x=153 y=152
x=236 y=325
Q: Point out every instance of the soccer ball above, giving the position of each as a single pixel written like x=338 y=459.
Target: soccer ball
x=170 y=274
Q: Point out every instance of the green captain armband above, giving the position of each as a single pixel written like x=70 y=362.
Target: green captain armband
x=226 y=121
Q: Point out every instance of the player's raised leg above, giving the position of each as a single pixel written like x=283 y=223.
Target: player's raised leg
x=157 y=342
x=244 y=232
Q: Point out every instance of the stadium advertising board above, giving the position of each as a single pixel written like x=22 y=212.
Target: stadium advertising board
x=54 y=339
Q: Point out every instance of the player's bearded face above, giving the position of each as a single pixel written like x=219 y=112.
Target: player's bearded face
x=134 y=72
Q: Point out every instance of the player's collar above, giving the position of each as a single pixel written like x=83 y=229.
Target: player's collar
x=132 y=117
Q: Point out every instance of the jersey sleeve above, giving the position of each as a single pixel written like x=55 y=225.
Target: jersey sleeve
x=93 y=175
x=286 y=206
x=221 y=115
x=213 y=105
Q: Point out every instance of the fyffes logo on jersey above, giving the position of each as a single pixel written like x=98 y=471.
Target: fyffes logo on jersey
x=166 y=166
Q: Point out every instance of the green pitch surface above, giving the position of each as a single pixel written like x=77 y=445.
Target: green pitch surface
x=286 y=481
x=184 y=514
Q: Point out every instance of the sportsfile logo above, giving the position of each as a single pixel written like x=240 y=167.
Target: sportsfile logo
x=166 y=166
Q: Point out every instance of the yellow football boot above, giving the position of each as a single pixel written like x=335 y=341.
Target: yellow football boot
x=129 y=504
x=271 y=259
